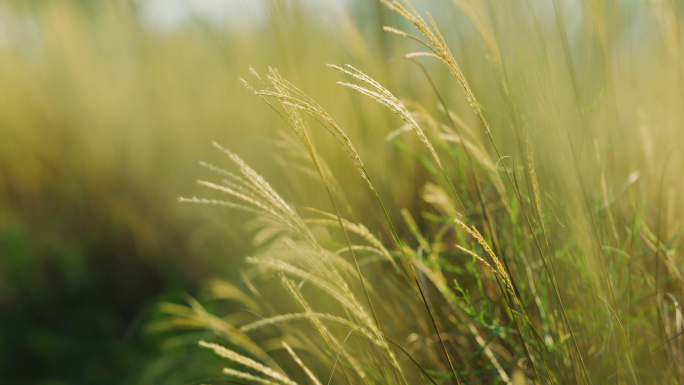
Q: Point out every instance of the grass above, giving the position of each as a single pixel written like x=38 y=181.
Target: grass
x=103 y=118
x=551 y=259
x=492 y=196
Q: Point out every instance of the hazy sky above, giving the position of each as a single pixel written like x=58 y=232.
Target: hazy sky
x=169 y=14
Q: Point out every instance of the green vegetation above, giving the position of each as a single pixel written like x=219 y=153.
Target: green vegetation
x=489 y=196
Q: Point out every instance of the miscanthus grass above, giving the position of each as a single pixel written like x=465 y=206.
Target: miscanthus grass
x=517 y=271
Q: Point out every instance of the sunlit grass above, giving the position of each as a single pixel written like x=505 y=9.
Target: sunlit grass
x=497 y=201
x=555 y=254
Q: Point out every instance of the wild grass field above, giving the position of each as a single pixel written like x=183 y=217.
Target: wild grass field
x=435 y=192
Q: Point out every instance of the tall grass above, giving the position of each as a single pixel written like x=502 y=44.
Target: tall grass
x=102 y=119
x=517 y=221
x=547 y=247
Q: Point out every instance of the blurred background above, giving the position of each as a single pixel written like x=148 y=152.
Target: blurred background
x=106 y=107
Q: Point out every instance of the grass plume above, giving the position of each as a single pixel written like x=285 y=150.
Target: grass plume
x=520 y=275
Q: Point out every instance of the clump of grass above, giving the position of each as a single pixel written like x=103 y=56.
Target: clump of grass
x=530 y=269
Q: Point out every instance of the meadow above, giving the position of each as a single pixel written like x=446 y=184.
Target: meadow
x=461 y=192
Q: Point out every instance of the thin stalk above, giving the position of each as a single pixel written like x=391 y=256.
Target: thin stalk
x=488 y=219
x=411 y=357
x=661 y=318
x=395 y=236
x=351 y=249
x=551 y=274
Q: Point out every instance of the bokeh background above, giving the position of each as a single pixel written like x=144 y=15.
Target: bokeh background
x=106 y=107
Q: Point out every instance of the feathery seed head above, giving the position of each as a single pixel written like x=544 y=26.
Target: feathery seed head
x=236 y=357
x=384 y=97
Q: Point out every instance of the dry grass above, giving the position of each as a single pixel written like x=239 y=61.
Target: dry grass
x=522 y=226
x=579 y=279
